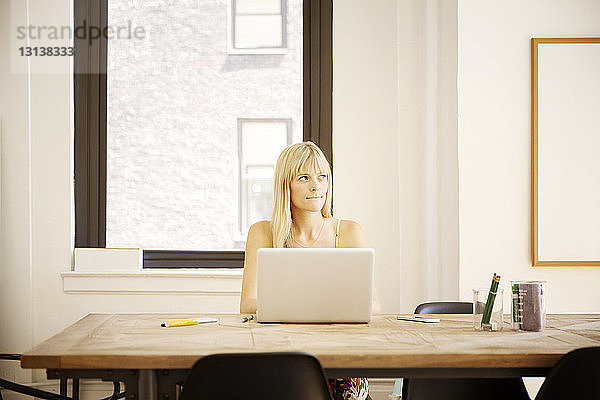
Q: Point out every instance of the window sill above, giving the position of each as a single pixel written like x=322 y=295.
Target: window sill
x=214 y=281
x=259 y=51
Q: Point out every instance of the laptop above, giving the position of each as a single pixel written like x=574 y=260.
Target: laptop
x=316 y=285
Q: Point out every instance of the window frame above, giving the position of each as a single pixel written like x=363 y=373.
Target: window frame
x=90 y=109
x=231 y=29
x=240 y=186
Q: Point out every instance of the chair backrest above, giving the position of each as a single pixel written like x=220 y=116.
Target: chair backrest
x=10 y=356
x=445 y=307
x=249 y=376
x=460 y=388
x=575 y=376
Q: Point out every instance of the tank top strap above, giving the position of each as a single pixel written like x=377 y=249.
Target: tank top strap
x=337 y=234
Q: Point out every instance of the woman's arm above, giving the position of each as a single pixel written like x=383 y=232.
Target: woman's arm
x=259 y=235
x=354 y=236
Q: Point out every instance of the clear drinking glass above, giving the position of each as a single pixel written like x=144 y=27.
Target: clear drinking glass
x=480 y=297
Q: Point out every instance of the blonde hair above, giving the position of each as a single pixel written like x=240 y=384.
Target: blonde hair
x=292 y=159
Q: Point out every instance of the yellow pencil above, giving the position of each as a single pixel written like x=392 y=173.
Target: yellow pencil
x=187 y=321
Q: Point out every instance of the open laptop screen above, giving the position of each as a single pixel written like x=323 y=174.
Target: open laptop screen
x=314 y=285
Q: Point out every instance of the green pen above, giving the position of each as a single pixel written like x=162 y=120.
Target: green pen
x=489 y=305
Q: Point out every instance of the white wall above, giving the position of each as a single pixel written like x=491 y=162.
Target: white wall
x=428 y=164
x=395 y=142
x=15 y=259
x=365 y=151
x=494 y=144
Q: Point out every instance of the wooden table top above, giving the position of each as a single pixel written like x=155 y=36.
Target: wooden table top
x=136 y=341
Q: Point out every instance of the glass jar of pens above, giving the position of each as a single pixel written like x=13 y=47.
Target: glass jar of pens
x=487 y=307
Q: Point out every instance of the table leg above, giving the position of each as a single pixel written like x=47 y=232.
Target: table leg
x=63 y=386
x=75 y=389
x=169 y=381
x=147 y=385
x=128 y=376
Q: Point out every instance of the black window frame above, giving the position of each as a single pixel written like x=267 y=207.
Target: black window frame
x=90 y=102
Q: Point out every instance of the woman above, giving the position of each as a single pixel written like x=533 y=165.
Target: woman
x=302 y=218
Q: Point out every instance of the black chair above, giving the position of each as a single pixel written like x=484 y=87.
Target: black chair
x=575 y=376
x=254 y=376
x=445 y=307
x=460 y=388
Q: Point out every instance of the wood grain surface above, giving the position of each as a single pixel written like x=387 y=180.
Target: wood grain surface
x=136 y=341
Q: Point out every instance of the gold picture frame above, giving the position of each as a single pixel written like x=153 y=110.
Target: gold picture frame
x=535 y=195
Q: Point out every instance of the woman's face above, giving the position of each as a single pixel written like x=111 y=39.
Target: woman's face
x=309 y=190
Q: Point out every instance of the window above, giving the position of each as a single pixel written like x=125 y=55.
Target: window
x=258 y=24
x=158 y=138
x=260 y=142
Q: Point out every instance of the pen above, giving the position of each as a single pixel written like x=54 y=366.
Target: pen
x=246 y=319
x=489 y=305
x=419 y=319
x=187 y=321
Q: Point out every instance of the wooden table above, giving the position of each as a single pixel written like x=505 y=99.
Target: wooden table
x=121 y=346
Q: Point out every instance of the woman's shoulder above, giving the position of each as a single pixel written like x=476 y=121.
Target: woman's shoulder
x=261 y=225
x=260 y=229
x=349 y=225
x=351 y=234
x=260 y=234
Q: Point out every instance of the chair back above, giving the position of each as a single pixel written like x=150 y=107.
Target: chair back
x=460 y=388
x=264 y=376
x=575 y=376
x=10 y=356
x=445 y=307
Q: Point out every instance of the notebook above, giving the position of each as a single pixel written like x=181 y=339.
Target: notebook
x=316 y=285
